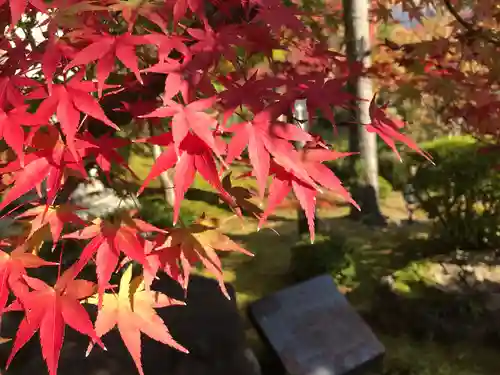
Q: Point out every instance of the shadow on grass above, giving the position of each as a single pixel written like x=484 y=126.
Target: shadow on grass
x=376 y=253
x=430 y=331
x=427 y=313
x=207 y=201
x=406 y=356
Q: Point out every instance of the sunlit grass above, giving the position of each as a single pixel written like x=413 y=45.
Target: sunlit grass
x=378 y=253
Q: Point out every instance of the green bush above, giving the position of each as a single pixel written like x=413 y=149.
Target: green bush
x=461 y=192
x=328 y=255
x=156 y=211
x=393 y=170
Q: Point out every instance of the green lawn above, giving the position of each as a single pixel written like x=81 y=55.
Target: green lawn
x=377 y=253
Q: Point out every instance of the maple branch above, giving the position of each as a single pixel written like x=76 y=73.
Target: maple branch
x=472 y=29
x=457 y=15
x=57 y=125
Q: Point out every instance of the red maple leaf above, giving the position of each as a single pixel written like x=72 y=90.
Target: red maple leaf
x=236 y=93
x=17 y=8
x=176 y=79
x=277 y=15
x=104 y=48
x=321 y=94
x=67 y=101
x=258 y=38
x=12 y=269
x=104 y=150
x=50 y=162
x=166 y=44
x=108 y=241
x=184 y=74
x=165 y=262
x=90 y=45
x=36 y=170
x=284 y=182
x=389 y=129
x=16 y=59
x=11 y=87
x=11 y=130
x=194 y=156
x=211 y=45
x=281 y=185
x=264 y=138
x=190 y=118
x=181 y=7
x=313 y=156
x=48 y=309
x=55 y=217
x=55 y=51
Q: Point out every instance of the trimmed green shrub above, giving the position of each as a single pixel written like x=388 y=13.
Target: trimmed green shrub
x=328 y=255
x=461 y=192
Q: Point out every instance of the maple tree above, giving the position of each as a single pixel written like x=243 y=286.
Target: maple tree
x=186 y=68
x=443 y=64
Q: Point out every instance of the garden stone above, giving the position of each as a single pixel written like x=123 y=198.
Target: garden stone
x=99 y=200
x=209 y=326
x=451 y=277
x=450 y=303
x=314 y=330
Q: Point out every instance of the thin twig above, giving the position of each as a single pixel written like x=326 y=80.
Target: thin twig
x=480 y=32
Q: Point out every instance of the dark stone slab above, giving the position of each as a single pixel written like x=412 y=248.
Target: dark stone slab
x=209 y=326
x=314 y=330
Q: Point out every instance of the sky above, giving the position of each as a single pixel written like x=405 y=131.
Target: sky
x=403 y=17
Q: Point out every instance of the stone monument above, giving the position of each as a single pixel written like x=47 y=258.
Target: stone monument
x=314 y=330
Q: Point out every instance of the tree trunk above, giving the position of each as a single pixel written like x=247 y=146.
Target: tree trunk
x=301 y=117
x=357 y=31
x=166 y=182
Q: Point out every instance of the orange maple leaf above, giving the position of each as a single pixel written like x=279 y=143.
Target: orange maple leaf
x=132 y=310
x=185 y=247
x=55 y=216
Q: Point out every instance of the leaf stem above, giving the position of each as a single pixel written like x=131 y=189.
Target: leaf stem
x=60 y=261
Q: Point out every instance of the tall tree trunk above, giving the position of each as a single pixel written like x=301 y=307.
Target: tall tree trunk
x=357 y=33
x=301 y=117
x=166 y=182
